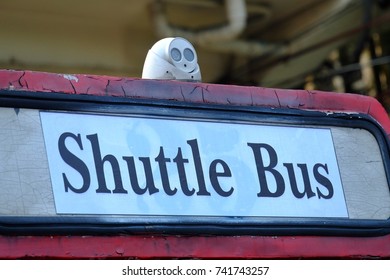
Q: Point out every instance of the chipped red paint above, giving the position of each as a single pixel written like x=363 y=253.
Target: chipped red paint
x=219 y=247
x=194 y=92
x=210 y=247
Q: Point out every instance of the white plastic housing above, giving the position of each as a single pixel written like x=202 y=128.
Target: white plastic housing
x=172 y=59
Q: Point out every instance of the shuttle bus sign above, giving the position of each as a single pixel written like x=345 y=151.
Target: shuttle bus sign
x=108 y=167
x=195 y=164
x=140 y=165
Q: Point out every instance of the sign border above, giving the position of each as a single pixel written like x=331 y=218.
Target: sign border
x=194 y=225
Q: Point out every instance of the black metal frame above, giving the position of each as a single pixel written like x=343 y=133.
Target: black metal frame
x=193 y=225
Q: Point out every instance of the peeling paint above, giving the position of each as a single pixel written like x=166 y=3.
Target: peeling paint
x=70 y=77
x=120 y=251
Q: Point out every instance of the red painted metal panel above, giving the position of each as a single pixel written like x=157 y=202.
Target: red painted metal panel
x=210 y=247
x=194 y=92
x=139 y=246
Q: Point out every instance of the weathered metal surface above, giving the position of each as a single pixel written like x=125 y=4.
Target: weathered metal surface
x=193 y=92
x=173 y=246
x=207 y=247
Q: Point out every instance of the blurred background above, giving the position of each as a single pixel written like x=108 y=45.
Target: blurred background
x=330 y=45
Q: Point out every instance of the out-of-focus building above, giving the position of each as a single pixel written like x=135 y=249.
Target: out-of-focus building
x=333 y=45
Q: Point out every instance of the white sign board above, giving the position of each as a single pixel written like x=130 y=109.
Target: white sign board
x=134 y=165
